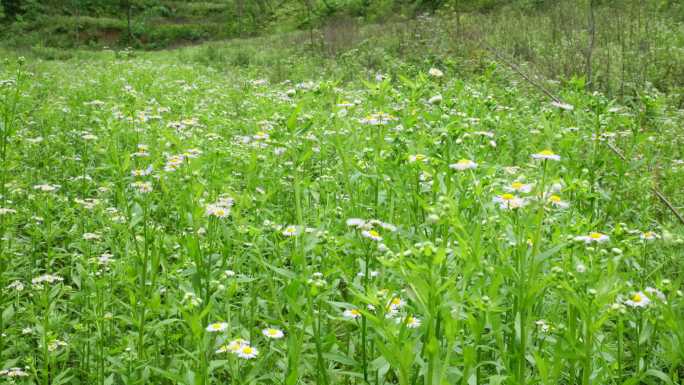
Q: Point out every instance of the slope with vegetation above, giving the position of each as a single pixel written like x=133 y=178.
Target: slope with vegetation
x=175 y=217
x=619 y=47
x=458 y=198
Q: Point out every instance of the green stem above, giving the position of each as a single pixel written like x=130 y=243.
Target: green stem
x=143 y=286
x=46 y=328
x=364 y=358
x=588 y=343
x=619 y=348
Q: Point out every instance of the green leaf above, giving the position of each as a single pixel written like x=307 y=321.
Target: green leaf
x=292 y=120
x=342 y=359
x=659 y=375
x=7 y=314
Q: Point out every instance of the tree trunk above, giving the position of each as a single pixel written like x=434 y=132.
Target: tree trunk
x=590 y=48
x=240 y=10
x=309 y=20
x=128 y=21
x=78 y=22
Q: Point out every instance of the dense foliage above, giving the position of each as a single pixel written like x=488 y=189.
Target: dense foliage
x=620 y=47
x=253 y=213
x=160 y=23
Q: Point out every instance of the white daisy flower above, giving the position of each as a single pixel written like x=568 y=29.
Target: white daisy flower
x=543 y=326
x=546 y=155
x=16 y=285
x=261 y=136
x=412 y=322
x=649 y=236
x=90 y=236
x=247 y=352
x=509 y=201
x=273 y=333
x=638 y=299
x=217 y=327
x=519 y=187
x=46 y=278
x=463 y=164
x=13 y=373
x=217 y=211
x=372 y=234
x=290 y=231
x=351 y=313
x=555 y=200
x=417 y=158
x=396 y=303
x=142 y=172
x=46 y=187
x=593 y=237
x=142 y=187
x=356 y=222
x=236 y=345
x=435 y=72
x=4 y=211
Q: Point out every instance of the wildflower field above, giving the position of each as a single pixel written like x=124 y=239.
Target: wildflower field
x=169 y=222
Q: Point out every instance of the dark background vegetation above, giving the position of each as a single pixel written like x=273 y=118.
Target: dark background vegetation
x=162 y=23
x=623 y=48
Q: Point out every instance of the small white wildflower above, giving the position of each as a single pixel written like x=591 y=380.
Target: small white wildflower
x=593 y=237
x=638 y=299
x=273 y=333
x=546 y=155
x=290 y=231
x=463 y=164
x=372 y=234
x=247 y=352
x=217 y=327
x=436 y=72
x=351 y=313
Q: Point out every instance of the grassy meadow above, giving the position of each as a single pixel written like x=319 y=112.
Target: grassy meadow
x=249 y=213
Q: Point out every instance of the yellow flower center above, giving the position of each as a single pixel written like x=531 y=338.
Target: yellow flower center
x=555 y=198
x=547 y=153
x=234 y=346
x=636 y=297
x=517 y=185
x=247 y=350
x=355 y=312
x=507 y=197
x=595 y=235
x=374 y=233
